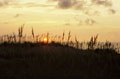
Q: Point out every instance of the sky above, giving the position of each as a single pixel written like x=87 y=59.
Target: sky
x=84 y=18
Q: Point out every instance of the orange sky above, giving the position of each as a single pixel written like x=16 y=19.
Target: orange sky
x=84 y=18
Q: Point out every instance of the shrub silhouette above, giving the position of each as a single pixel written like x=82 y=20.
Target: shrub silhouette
x=20 y=33
x=92 y=43
x=24 y=59
x=59 y=40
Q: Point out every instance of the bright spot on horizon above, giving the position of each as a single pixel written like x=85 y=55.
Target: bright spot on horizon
x=45 y=40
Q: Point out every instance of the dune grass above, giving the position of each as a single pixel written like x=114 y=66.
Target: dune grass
x=22 y=59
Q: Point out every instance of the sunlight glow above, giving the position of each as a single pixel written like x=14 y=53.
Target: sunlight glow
x=45 y=40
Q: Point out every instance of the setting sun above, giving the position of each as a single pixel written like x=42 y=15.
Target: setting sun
x=45 y=40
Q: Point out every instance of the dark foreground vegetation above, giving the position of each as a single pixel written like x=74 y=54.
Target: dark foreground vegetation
x=46 y=61
x=38 y=58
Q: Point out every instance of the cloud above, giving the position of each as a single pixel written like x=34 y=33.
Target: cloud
x=112 y=11
x=90 y=21
x=85 y=6
x=106 y=3
x=33 y=4
x=65 y=4
x=17 y=15
x=5 y=2
x=21 y=4
x=78 y=3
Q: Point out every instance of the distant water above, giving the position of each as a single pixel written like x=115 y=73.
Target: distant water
x=83 y=45
x=117 y=46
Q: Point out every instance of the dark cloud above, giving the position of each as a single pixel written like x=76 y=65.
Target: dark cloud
x=5 y=2
x=84 y=6
x=75 y=4
x=112 y=11
x=106 y=3
x=65 y=4
x=78 y=4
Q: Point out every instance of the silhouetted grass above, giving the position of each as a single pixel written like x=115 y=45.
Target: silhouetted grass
x=34 y=61
x=60 y=60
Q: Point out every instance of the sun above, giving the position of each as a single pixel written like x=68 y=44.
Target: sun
x=45 y=40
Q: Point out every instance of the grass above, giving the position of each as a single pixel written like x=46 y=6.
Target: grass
x=36 y=61
x=59 y=60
